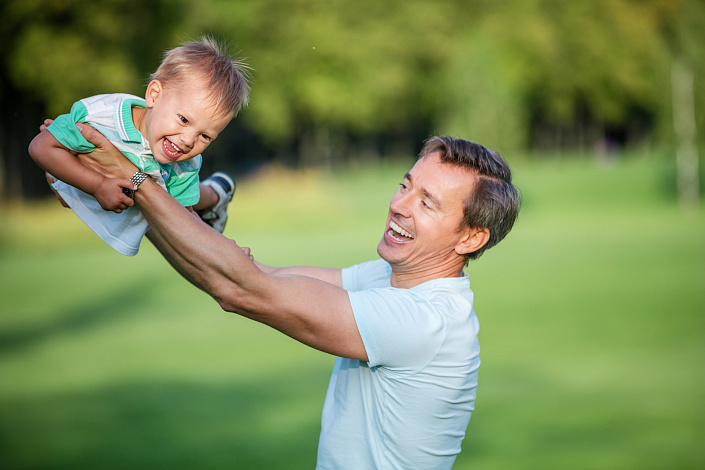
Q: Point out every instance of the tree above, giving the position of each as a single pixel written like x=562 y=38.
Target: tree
x=56 y=52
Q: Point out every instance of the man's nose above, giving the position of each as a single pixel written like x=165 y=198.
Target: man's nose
x=401 y=203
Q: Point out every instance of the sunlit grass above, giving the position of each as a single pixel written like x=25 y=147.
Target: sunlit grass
x=591 y=318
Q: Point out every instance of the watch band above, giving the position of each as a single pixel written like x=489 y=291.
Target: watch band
x=138 y=178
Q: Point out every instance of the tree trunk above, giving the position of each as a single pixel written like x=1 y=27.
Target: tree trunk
x=685 y=132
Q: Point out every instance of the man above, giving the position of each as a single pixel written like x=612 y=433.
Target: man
x=403 y=327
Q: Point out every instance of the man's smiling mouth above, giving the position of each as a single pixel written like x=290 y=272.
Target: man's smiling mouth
x=398 y=233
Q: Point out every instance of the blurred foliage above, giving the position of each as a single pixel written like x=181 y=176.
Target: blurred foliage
x=338 y=79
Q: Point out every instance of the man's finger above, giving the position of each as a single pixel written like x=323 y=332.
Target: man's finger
x=92 y=135
x=45 y=124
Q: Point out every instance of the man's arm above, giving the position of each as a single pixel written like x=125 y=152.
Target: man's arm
x=313 y=311
x=330 y=275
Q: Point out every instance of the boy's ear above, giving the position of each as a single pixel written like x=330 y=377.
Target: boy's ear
x=154 y=89
x=473 y=240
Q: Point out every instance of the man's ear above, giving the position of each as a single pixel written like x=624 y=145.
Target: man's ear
x=473 y=240
x=154 y=89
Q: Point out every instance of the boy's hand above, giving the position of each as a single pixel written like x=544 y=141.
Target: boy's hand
x=111 y=197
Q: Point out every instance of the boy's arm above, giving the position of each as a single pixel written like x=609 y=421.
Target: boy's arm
x=60 y=162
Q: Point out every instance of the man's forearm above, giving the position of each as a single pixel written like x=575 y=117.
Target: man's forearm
x=194 y=249
x=161 y=245
x=316 y=313
x=199 y=253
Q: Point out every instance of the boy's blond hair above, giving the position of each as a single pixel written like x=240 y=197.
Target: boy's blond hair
x=226 y=78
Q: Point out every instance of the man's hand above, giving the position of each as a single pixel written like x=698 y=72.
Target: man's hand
x=109 y=162
x=45 y=124
x=248 y=252
x=106 y=159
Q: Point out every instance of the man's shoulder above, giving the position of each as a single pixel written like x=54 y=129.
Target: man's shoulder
x=367 y=275
x=447 y=293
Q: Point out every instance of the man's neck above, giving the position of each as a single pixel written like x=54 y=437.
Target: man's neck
x=406 y=278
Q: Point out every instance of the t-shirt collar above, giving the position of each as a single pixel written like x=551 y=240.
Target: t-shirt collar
x=124 y=123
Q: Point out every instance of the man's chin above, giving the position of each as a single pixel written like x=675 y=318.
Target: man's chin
x=386 y=253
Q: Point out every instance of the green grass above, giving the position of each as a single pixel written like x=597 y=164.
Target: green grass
x=591 y=315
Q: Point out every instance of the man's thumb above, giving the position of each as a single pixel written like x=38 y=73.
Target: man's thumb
x=91 y=135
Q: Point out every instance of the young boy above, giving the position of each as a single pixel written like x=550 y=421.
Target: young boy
x=196 y=91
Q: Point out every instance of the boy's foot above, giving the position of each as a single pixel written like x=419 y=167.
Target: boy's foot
x=224 y=185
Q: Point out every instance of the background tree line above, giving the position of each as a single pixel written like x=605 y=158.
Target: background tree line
x=338 y=80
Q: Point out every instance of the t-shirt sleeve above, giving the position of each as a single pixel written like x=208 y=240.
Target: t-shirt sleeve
x=184 y=183
x=65 y=131
x=366 y=275
x=400 y=329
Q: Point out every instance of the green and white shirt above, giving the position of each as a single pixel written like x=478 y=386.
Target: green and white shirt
x=112 y=116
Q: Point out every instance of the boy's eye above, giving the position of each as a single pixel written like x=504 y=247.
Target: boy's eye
x=183 y=119
x=206 y=137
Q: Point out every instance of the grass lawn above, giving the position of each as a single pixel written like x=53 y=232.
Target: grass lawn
x=591 y=313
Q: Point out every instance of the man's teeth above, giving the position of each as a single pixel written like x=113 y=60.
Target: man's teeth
x=394 y=226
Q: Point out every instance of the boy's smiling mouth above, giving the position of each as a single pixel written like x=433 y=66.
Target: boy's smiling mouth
x=171 y=150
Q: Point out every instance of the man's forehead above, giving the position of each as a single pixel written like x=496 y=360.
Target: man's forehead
x=433 y=163
x=436 y=175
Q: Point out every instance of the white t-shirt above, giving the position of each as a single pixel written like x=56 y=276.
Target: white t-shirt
x=408 y=407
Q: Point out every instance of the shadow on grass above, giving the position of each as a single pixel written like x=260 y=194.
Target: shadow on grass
x=87 y=316
x=269 y=424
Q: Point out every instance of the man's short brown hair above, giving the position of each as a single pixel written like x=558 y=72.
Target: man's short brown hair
x=494 y=202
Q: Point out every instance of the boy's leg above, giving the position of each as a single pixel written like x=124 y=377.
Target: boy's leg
x=207 y=199
x=216 y=193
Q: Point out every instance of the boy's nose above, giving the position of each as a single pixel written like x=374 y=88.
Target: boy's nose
x=188 y=140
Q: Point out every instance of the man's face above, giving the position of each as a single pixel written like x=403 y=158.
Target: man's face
x=424 y=215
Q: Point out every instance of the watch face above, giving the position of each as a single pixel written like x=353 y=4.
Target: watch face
x=129 y=193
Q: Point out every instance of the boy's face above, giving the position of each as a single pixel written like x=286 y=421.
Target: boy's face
x=181 y=120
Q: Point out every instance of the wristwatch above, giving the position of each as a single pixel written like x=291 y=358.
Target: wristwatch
x=138 y=178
